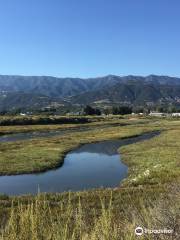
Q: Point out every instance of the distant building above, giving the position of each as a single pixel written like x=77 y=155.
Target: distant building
x=175 y=114
x=74 y=113
x=156 y=114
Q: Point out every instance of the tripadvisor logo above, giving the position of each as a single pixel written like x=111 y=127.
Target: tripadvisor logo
x=140 y=231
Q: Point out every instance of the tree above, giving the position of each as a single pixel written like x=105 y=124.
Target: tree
x=88 y=110
x=122 y=110
x=107 y=111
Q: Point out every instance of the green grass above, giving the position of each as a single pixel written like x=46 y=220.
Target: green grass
x=46 y=153
x=155 y=161
x=94 y=122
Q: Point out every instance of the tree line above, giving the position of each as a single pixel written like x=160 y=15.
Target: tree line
x=120 y=110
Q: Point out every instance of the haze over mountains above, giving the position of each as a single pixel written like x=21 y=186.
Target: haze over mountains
x=34 y=91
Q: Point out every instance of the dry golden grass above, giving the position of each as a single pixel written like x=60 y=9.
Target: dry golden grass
x=54 y=220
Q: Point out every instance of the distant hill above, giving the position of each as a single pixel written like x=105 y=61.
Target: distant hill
x=63 y=87
x=53 y=87
x=19 y=100
x=132 y=93
x=36 y=92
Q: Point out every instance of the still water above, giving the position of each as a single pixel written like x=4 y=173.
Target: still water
x=90 y=166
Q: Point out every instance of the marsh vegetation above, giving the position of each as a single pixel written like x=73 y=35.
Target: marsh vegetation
x=148 y=197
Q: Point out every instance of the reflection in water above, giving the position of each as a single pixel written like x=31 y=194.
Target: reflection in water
x=90 y=166
x=111 y=147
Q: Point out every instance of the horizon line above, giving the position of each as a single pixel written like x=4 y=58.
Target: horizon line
x=102 y=76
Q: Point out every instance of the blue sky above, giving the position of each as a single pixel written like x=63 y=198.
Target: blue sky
x=88 y=38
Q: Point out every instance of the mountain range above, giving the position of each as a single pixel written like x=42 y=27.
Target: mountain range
x=42 y=91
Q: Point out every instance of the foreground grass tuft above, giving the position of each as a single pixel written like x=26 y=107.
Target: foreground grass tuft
x=41 y=218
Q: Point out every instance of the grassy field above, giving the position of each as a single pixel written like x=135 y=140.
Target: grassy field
x=38 y=155
x=92 y=122
x=149 y=197
x=154 y=161
x=98 y=214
